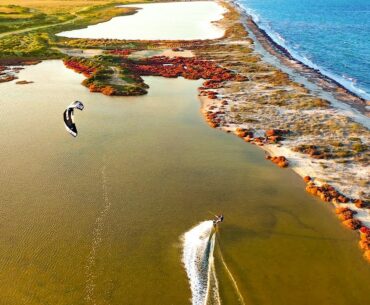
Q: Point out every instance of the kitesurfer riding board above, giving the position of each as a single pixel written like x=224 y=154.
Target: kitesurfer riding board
x=218 y=219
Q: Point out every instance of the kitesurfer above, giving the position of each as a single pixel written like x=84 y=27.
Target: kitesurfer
x=218 y=219
x=68 y=117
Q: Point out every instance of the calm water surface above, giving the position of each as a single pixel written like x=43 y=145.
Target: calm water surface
x=98 y=219
x=155 y=21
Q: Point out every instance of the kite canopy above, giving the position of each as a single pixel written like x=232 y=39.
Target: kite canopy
x=68 y=117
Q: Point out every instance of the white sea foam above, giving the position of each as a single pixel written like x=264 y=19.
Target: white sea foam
x=198 y=259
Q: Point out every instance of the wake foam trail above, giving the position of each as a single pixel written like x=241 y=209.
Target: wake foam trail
x=235 y=284
x=97 y=239
x=198 y=259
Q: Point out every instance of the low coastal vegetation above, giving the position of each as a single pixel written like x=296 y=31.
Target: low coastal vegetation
x=30 y=45
x=114 y=73
x=15 y=17
x=28 y=30
x=108 y=75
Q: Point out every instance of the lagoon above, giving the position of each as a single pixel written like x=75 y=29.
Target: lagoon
x=98 y=219
x=159 y=21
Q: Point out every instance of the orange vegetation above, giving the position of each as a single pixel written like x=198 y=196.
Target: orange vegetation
x=367 y=255
x=275 y=135
x=344 y=213
x=364 y=243
x=272 y=136
x=326 y=193
x=108 y=90
x=7 y=78
x=280 y=161
x=353 y=224
x=189 y=68
x=360 y=203
x=365 y=238
x=80 y=67
x=122 y=52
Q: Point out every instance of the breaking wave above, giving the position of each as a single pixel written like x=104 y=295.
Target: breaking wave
x=198 y=259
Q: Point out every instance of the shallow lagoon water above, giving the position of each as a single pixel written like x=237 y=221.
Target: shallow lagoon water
x=98 y=219
x=159 y=21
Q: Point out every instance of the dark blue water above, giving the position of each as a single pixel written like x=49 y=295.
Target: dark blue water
x=330 y=35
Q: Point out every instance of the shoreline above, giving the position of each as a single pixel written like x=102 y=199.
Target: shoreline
x=273 y=48
x=339 y=91
x=216 y=109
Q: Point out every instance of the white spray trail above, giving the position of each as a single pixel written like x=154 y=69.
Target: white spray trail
x=97 y=239
x=235 y=284
x=198 y=259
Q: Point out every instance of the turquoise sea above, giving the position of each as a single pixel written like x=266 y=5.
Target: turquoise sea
x=332 y=36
